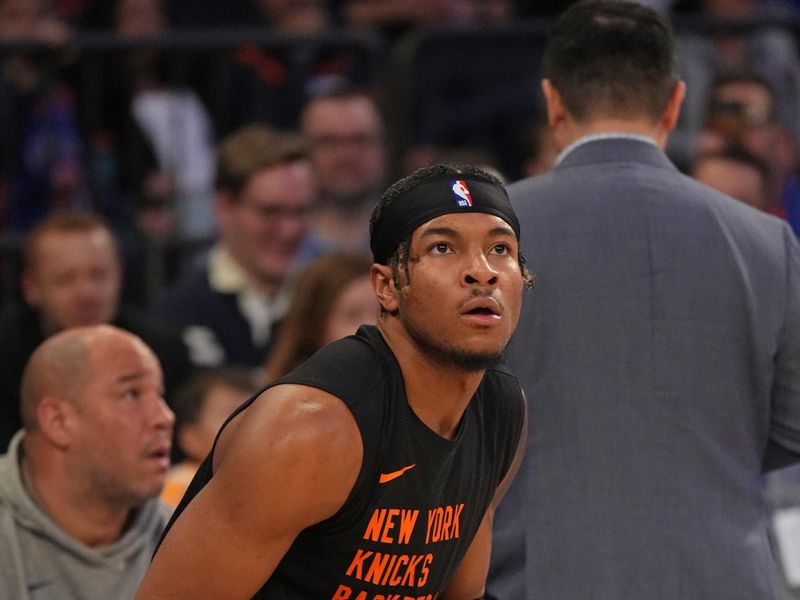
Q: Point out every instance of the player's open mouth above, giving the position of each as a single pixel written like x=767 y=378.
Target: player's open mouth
x=481 y=306
x=482 y=311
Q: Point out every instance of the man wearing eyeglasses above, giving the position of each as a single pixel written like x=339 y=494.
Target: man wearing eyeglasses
x=265 y=188
x=346 y=136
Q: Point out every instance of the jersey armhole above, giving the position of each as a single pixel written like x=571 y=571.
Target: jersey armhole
x=375 y=445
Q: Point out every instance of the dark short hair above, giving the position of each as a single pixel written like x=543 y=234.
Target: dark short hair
x=612 y=58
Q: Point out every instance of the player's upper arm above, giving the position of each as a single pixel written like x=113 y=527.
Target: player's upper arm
x=289 y=461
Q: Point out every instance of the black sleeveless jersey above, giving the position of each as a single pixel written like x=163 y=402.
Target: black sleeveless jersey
x=418 y=499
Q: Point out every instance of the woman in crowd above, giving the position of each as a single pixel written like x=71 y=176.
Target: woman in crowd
x=332 y=297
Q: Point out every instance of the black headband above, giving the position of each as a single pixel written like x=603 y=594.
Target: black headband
x=438 y=196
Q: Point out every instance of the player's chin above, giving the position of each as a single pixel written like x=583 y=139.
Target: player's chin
x=489 y=338
x=486 y=346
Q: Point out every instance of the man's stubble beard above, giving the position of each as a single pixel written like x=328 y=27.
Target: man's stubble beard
x=442 y=354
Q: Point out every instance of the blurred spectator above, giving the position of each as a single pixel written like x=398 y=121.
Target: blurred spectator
x=265 y=189
x=742 y=112
x=735 y=172
x=347 y=147
x=771 y=52
x=42 y=157
x=487 y=104
x=269 y=83
x=153 y=145
x=71 y=277
x=332 y=298
x=30 y=20
x=174 y=122
x=139 y=17
x=79 y=513
x=782 y=492
x=201 y=406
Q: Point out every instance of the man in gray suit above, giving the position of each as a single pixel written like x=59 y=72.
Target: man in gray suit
x=660 y=352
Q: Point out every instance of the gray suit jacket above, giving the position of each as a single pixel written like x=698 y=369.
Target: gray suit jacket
x=660 y=352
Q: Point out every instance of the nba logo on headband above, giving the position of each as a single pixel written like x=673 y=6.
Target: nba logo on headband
x=461 y=191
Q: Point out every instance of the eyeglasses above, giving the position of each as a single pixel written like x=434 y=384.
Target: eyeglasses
x=750 y=115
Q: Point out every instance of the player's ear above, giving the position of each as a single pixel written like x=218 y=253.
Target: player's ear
x=383 y=284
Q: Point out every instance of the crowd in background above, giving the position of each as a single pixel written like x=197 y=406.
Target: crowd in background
x=216 y=203
x=128 y=128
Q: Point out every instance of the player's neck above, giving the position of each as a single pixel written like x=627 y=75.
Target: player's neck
x=437 y=393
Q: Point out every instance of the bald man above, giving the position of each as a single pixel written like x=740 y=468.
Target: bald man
x=79 y=515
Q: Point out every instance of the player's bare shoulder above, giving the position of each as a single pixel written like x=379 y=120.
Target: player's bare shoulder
x=296 y=436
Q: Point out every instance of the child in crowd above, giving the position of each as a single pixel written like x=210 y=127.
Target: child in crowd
x=201 y=407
